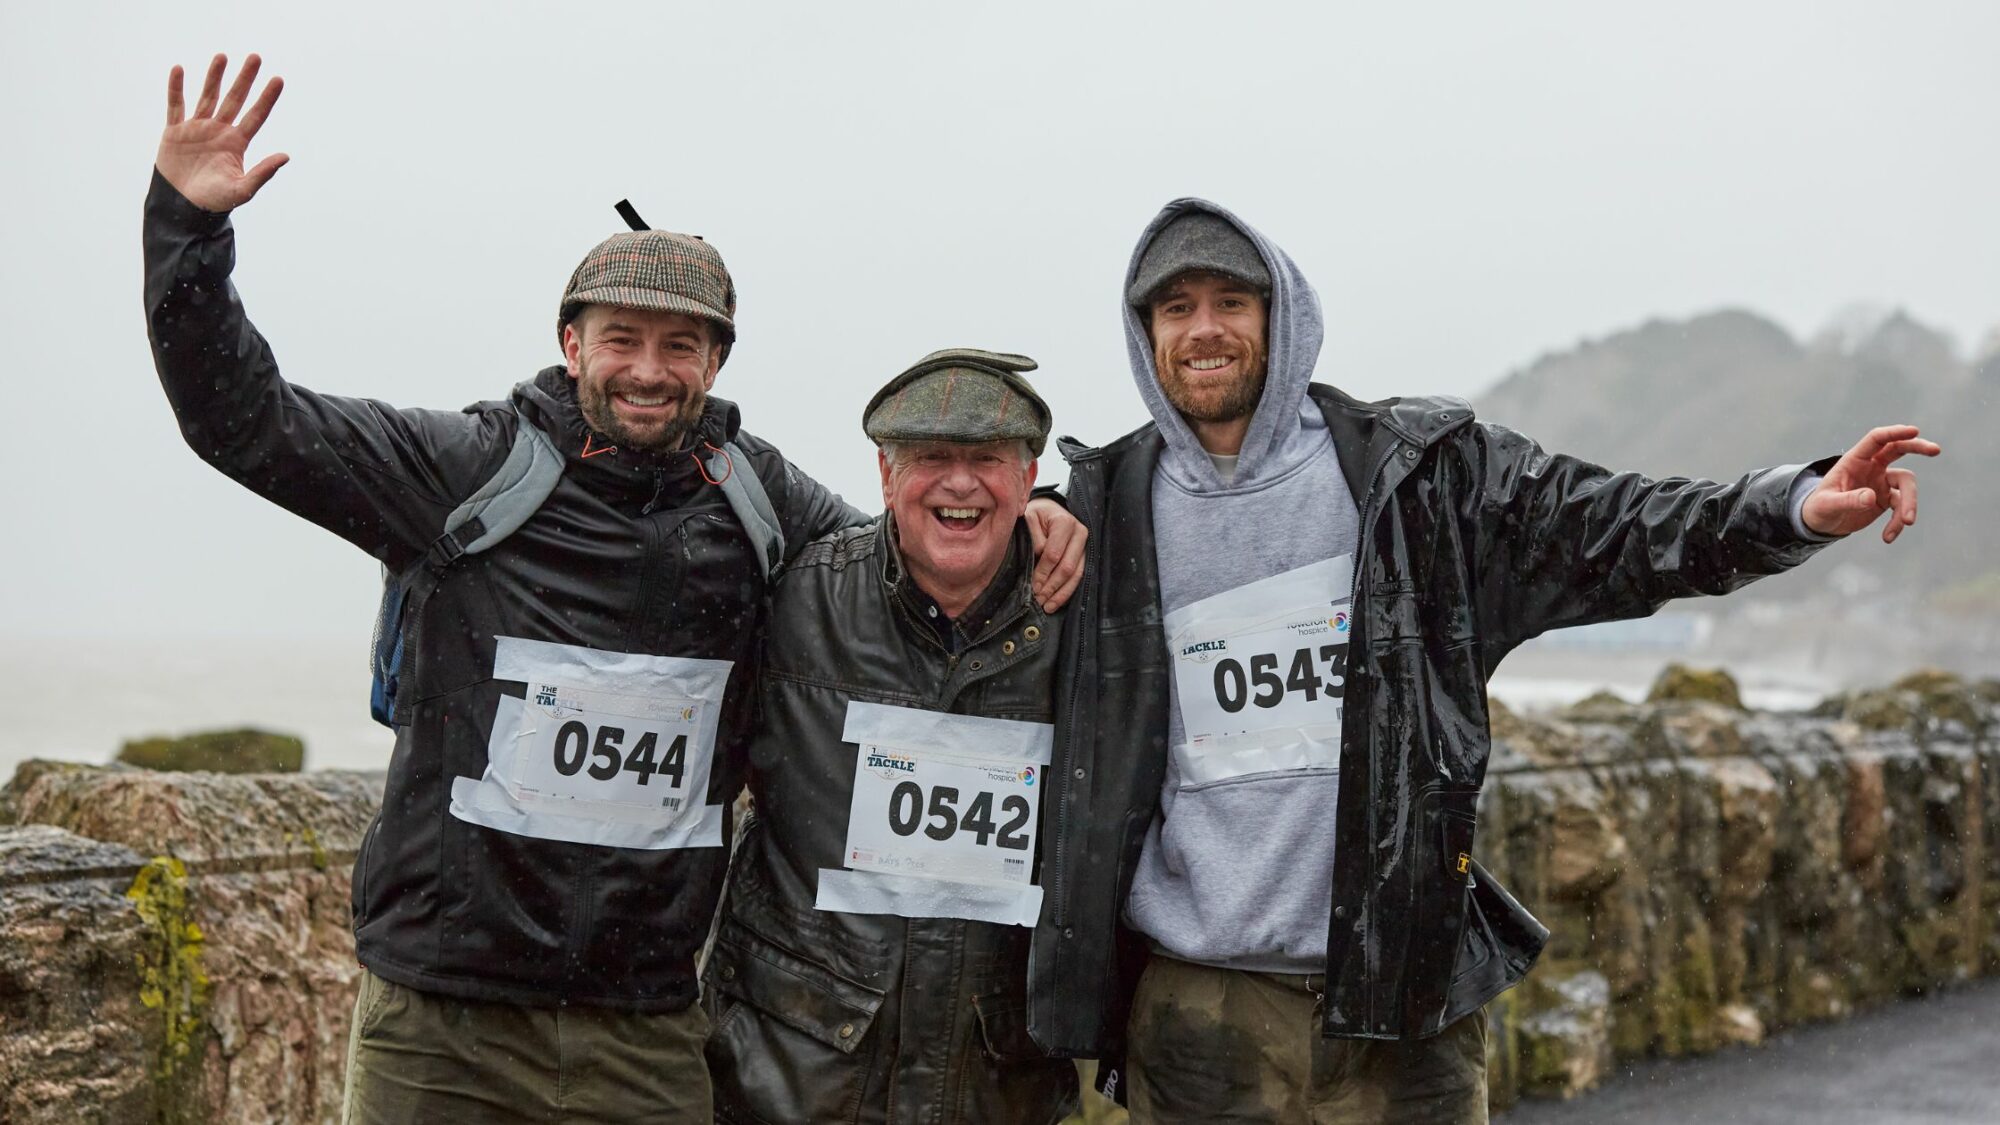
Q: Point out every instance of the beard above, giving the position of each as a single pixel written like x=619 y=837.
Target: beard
x=593 y=398
x=1208 y=401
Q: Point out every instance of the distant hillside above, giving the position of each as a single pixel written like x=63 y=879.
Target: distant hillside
x=1731 y=391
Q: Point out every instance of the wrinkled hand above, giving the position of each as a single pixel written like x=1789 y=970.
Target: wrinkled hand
x=202 y=156
x=1058 y=538
x=1864 y=483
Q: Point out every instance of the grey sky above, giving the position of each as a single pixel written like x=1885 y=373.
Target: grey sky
x=1468 y=186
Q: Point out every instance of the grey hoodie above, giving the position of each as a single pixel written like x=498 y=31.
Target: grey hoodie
x=1238 y=871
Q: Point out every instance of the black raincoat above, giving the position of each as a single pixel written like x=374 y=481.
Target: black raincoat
x=632 y=553
x=1473 y=540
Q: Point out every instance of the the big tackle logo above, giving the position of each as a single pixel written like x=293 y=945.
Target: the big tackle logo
x=888 y=763
x=1201 y=652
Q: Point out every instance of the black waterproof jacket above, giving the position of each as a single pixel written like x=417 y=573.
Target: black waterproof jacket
x=1472 y=541
x=632 y=553
x=871 y=1018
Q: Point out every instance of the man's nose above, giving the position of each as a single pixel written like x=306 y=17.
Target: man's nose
x=652 y=367
x=1204 y=324
x=959 y=477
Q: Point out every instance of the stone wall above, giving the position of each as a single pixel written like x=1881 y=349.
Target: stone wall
x=1711 y=875
x=175 y=946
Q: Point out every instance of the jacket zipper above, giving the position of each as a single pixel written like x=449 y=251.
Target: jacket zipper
x=659 y=490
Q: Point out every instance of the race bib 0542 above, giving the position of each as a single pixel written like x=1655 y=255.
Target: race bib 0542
x=943 y=817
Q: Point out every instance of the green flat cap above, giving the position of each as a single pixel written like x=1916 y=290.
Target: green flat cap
x=963 y=395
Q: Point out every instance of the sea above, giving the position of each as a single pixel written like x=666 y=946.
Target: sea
x=80 y=699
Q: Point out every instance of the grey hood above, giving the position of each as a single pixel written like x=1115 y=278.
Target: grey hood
x=1286 y=429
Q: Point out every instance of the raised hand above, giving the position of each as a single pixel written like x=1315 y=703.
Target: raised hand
x=1864 y=483
x=202 y=155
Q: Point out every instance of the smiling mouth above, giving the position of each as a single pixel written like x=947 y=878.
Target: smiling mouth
x=958 y=519
x=1209 y=363
x=647 y=402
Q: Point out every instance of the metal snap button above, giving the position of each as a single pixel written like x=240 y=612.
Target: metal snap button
x=1410 y=454
x=847 y=1031
x=729 y=972
x=1007 y=648
x=1079 y=774
x=1032 y=632
x=978 y=664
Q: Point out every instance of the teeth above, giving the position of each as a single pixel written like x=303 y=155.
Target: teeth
x=959 y=513
x=1208 y=364
x=637 y=400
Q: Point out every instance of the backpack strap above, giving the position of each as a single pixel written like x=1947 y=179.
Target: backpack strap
x=730 y=468
x=495 y=510
x=499 y=507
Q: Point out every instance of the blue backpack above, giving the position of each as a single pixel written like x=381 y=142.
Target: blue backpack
x=498 y=508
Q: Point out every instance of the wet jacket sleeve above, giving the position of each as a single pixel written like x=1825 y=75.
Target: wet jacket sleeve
x=1560 y=541
x=384 y=479
x=812 y=510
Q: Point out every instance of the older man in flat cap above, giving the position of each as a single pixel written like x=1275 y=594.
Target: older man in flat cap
x=873 y=952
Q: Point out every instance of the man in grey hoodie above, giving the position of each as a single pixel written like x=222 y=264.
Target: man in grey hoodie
x=1257 y=519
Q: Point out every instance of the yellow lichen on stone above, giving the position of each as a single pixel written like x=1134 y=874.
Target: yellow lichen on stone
x=320 y=860
x=170 y=970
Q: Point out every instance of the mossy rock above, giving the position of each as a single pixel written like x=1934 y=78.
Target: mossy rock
x=1880 y=709
x=1680 y=683
x=222 y=751
x=1601 y=707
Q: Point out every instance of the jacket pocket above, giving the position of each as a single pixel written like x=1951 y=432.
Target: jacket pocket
x=807 y=997
x=784 y=1047
x=1442 y=893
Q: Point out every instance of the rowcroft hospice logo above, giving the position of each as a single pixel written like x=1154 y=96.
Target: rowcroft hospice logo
x=1028 y=775
x=888 y=763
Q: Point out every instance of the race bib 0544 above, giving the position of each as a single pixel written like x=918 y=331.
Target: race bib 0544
x=606 y=748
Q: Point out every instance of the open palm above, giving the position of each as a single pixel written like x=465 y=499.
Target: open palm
x=1866 y=482
x=202 y=154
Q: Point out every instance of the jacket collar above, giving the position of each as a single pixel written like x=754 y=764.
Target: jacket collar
x=549 y=401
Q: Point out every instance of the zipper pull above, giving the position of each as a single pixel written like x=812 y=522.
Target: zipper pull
x=659 y=489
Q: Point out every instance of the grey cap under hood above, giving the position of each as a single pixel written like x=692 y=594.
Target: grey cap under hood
x=1286 y=429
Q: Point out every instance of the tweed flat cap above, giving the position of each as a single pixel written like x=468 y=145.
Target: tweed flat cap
x=1197 y=240
x=962 y=395
x=653 y=269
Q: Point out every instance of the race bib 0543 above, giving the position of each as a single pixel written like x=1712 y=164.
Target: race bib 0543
x=1260 y=673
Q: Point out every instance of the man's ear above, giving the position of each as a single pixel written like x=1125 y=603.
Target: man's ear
x=572 y=344
x=882 y=460
x=1033 y=464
